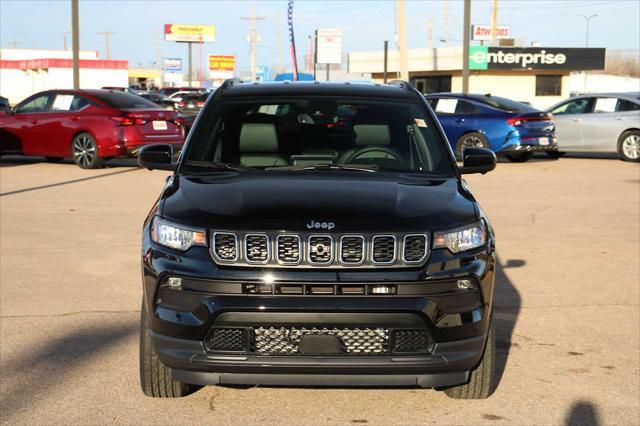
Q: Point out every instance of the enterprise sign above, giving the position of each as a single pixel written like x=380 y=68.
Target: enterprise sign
x=485 y=57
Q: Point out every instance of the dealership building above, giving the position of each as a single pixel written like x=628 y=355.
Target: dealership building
x=24 y=72
x=538 y=75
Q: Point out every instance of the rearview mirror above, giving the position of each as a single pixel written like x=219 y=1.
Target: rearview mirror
x=156 y=157
x=477 y=160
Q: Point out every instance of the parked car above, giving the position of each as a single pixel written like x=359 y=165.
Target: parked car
x=159 y=99
x=115 y=88
x=4 y=103
x=604 y=122
x=286 y=250
x=168 y=91
x=88 y=125
x=177 y=96
x=192 y=103
x=507 y=127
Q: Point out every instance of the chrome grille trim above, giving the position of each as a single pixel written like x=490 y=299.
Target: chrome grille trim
x=363 y=253
x=426 y=248
x=277 y=249
x=248 y=259
x=373 y=249
x=214 y=247
x=310 y=255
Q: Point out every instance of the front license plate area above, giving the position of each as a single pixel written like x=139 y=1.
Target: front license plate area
x=159 y=125
x=543 y=141
x=320 y=344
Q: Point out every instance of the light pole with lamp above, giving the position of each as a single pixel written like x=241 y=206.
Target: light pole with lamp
x=587 y=18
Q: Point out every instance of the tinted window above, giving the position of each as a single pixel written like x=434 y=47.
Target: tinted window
x=124 y=100
x=625 y=105
x=37 y=104
x=466 y=107
x=380 y=135
x=548 y=85
x=578 y=106
x=505 y=104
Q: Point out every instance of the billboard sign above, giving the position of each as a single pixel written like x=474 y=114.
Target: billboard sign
x=222 y=62
x=329 y=46
x=538 y=58
x=483 y=32
x=190 y=33
x=172 y=64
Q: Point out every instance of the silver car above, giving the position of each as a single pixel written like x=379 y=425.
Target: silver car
x=603 y=122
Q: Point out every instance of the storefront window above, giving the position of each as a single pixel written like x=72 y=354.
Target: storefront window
x=548 y=85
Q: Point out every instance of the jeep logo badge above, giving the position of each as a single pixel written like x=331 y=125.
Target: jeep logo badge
x=321 y=225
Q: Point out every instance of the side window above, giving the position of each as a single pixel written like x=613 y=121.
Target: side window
x=466 y=107
x=578 y=106
x=625 y=105
x=62 y=102
x=37 y=104
x=433 y=103
x=78 y=103
x=605 y=105
x=447 y=106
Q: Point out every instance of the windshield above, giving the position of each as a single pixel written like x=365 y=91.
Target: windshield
x=507 y=104
x=323 y=133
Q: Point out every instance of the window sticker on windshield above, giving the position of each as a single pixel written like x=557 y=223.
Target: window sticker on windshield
x=420 y=122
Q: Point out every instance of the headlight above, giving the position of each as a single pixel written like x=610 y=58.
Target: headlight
x=461 y=239
x=176 y=236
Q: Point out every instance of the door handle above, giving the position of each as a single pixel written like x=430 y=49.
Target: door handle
x=74 y=118
x=576 y=119
x=460 y=120
x=619 y=118
x=34 y=121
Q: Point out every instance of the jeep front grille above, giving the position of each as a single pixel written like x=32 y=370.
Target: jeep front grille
x=279 y=249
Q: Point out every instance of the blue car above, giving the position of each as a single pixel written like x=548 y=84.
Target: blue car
x=507 y=127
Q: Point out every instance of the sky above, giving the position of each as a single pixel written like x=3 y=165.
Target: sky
x=137 y=25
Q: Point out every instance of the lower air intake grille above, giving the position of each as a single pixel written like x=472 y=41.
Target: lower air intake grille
x=356 y=341
x=227 y=340
x=256 y=248
x=411 y=341
x=352 y=249
x=320 y=249
x=225 y=246
x=384 y=249
x=415 y=248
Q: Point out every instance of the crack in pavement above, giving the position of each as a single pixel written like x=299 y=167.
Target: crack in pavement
x=65 y=314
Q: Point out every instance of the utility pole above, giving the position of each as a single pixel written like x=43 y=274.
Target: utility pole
x=588 y=19
x=75 y=36
x=402 y=40
x=430 y=33
x=159 y=58
x=278 y=45
x=310 y=62
x=446 y=23
x=106 y=35
x=386 y=51
x=253 y=38
x=190 y=76
x=494 y=20
x=465 y=46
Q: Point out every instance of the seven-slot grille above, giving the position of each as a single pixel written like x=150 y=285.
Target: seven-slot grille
x=319 y=250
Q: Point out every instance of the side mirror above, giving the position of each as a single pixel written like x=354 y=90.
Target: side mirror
x=477 y=160
x=156 y=157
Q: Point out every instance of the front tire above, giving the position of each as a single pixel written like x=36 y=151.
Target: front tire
x=470 y=140
x=629 y=146
x=482 y=378
x=155 y=377
x=519 y=158
x=84 y=150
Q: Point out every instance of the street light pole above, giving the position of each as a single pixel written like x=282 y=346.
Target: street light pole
x=75 y=43
x=588 y=19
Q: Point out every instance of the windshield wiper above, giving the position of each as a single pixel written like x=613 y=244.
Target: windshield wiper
x=367 y=168
x=214 y=166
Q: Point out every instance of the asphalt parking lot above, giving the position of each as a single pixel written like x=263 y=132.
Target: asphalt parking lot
x=567 y=305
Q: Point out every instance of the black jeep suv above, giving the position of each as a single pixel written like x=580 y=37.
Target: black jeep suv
x=317 y=234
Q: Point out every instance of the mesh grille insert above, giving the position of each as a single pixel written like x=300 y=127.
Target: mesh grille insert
x=355 y=341
x=225 y=246
x=227 y=339
x=256 y=248
x=352 y=249
x=412 y=341
x=384 y=249
x=415 y=248
x=320 y=249
x=288 y=248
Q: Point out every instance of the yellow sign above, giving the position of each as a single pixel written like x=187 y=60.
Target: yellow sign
x=222 y=62
x=190 y=33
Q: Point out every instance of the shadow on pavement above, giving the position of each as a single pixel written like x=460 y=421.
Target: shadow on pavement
x=49 y=365
x=506 y=308
x=17 y=160
x=67 y=182
x=583 y=413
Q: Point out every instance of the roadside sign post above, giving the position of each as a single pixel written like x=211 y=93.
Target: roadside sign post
x=328 y=47
x=189 y=34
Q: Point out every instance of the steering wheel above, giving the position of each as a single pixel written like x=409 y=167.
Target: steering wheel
x=368 y=149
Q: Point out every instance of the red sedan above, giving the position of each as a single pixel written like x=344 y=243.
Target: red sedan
x=88 y=125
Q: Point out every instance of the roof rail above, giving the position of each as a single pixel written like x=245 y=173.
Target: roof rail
x=230 y=82
x=401 y=84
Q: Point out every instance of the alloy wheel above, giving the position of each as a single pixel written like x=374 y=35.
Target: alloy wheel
x=84 y=152
x=631 y=147
x=472 y=142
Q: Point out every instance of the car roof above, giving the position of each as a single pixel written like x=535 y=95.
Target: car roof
x=474 y=96
x=628 y=95
x=311 y=88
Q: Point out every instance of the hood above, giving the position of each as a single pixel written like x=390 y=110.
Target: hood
x=289 y=201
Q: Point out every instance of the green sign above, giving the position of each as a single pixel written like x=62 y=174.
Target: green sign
x=478 y=57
